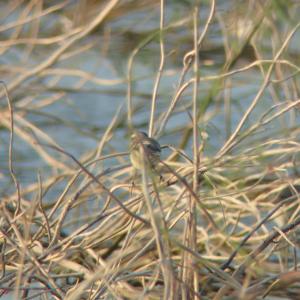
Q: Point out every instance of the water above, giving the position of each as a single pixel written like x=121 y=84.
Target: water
x=86 y=105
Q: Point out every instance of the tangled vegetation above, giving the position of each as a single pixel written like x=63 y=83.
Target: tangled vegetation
x=220 y=220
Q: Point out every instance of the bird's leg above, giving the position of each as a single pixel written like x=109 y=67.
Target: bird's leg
x=157 y=170
x=132 y=181
x=131 y=187
x=161 y=179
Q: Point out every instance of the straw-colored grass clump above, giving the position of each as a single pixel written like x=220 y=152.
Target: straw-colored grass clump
x=208 y=210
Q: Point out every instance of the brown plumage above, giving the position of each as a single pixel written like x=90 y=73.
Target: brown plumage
x=144 y=150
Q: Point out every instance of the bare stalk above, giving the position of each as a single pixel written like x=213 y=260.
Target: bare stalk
x=160 y=70
x=11 y=143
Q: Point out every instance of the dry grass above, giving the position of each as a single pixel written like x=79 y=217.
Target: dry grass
x=224 y=221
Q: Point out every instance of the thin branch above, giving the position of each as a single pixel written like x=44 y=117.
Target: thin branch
x=11 y=144
x=160 y=70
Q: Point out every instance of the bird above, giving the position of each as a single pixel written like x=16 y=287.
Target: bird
x=144 y=151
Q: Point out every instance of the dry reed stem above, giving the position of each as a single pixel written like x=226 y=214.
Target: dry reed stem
x=79 y=229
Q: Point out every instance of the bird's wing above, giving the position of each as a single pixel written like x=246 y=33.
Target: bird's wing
x=152 y=144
